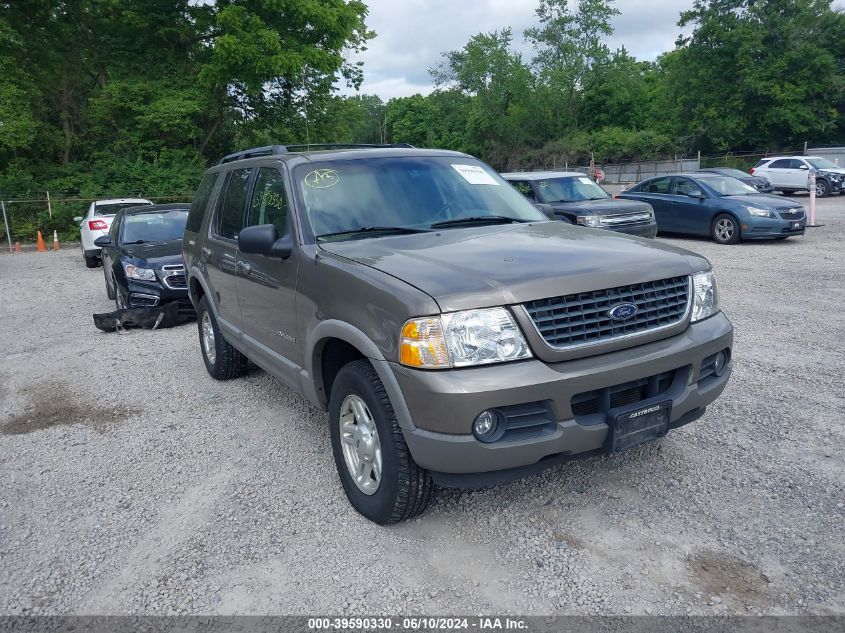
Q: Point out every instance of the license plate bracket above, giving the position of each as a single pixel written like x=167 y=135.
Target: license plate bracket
x=638 y=426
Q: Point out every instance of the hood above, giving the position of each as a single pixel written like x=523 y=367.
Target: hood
x=764 y=201
x=755 y=180
x=480 y=267
x=154 y=254
x=839 y=170
x=606 y=206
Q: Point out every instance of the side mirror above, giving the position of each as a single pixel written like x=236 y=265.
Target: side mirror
x=803 y=167
x=264 y=239
x=78 y=219
x=103 y=240
x=547 y=210
x=695 y=193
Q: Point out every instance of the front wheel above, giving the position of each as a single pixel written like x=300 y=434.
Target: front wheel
x=725 y=229
x=378 y=473
x=222 y=361
x=822 y=189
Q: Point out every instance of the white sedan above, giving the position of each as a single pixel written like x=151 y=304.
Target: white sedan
x=97 y=222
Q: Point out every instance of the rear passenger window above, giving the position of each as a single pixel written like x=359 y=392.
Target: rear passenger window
x=269 y=205
x=659 y=185
x=230 y=220
x=200 y=202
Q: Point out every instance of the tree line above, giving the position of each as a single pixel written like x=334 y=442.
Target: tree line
x=120 y=96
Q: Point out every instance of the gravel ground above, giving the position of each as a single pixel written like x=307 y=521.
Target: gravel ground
x=134 y=483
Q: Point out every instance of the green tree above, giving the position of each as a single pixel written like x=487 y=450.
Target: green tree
x=567 y=45
x=756 y=73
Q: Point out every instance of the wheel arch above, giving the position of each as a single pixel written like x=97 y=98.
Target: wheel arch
x=331 y=345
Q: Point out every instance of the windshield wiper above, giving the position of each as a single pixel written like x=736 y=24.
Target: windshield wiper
x=383 y=230
x=140 y=242
x=477 y=219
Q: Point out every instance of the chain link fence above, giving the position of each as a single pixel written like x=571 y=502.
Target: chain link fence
x=23 y=218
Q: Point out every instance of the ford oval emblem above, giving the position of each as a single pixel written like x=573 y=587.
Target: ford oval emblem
x=623 y=311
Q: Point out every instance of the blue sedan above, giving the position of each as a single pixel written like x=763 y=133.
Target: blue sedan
x=719 y=206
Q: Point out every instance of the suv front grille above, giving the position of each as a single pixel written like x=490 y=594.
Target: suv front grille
x=791 y=214
x=635 y=218
x=583 y=318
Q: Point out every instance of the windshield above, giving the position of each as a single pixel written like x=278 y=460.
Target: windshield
x=728 y=186
x=154 y=227
x=112 y=209
x=411 y=193
x=570 y=189
x=822 y=163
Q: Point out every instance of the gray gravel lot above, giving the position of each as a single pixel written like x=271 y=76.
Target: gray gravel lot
x=134 y=483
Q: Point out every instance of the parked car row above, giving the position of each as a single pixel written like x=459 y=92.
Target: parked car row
x=706 y=203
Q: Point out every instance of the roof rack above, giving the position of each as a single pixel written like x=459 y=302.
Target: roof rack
x=272 y=150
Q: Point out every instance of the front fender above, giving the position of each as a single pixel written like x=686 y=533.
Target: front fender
x=343 y=331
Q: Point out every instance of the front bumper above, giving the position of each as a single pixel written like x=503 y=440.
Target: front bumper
x=151 y=294
x=443 y=404
x=769 y=228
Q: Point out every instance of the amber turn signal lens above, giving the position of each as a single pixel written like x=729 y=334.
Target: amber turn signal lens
x=423 y=344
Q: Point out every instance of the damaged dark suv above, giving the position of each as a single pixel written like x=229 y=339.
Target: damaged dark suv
x=453 y=333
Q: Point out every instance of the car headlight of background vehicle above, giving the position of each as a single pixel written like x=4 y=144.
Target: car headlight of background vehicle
x=589 y=220
x=136 y=272
x=760 y=213
x=705 y=296
x=462 y=339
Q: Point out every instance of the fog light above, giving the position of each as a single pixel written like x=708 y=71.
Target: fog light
x=720 y=363
x=486 y=426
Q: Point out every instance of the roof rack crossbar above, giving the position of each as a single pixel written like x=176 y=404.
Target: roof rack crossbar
x=271 y=150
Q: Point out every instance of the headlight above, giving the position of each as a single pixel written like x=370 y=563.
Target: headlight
x=136 y=272
x=705 y=297
x=461 y=339
x=761 y=213
x=589 y=220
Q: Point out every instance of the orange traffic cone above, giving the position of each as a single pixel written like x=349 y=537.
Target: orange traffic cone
x=40 y=246
x=55 y=241
x=18 y=247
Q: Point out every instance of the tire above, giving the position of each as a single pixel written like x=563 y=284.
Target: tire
x=403 y=489
x=725 y=229
x=91 y=262
x=109 y=290
x=822 y=189
x=222 y=361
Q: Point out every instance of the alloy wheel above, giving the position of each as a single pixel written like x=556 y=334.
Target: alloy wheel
x=725 y=229
x=208 y=338
x=360 y=442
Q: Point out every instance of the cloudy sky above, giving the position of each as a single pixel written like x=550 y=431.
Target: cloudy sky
x=411 y=35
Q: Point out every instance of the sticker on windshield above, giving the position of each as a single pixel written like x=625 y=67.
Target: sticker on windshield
x=475 y=175
x=321 y=178
x=585 y=180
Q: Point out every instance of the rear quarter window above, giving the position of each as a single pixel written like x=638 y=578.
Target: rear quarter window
x=200 y=202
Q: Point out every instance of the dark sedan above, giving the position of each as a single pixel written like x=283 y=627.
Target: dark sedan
x=573 y=197
x=763 y=185
x=719 y=206
x=142 y=258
